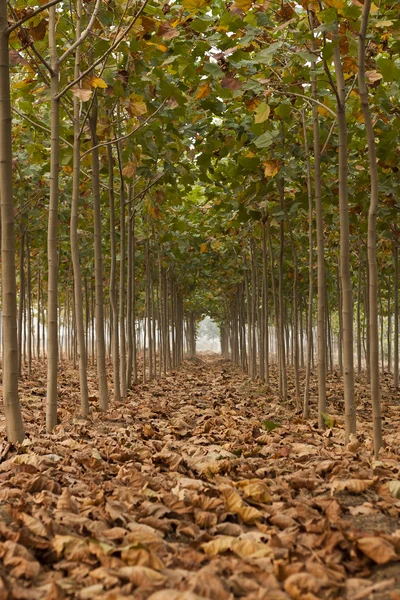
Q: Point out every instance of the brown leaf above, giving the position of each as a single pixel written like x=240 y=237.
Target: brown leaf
x=231 y=83
x=140 y=575
x=300 y=584
x=377 y=549
x=34 y=525
x=355 y=486
x=82 y=93
x=39 y=31
x=255 y=489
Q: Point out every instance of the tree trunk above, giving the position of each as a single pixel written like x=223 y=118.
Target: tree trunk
x=21 y=288
x=52 y=254
x=396 y=310
x=99 y=308
x=76 y=267
x=122 y=276
x=321 y=287
x=265 y=312
x=29 y=305
x=12 y=411
x=306 y=401
x=113 y=285
x=372 y=266
x=348 y=367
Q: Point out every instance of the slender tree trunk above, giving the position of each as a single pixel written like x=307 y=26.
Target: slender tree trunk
x=359 y=282
x=129 y=298
x=254 y=300
x=113 y=285
x=122 y=275
x=281 y=331
x=38 y=317
x=148 y=312
x=100 y=340
x=389 y=328
x=340 y=313
x=381 y=319
x=249 y=320
x=29 y=305
x=275 y=301
x=321 y=288
x=12 y=411
x=306 y=402
x=372 y=266
x=348 y=367
x=21 y=287
x=265 y=312
x=74 y=240
x=396 y=310
x=52 y=255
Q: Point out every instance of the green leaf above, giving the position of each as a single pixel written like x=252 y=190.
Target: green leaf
x=265 y=140
x=327 y=51
x=270 y=425
x=284 y=111
x=390 y=72
x=328 y=420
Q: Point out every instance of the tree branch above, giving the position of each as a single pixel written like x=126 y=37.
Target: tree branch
x=148 y=187
x=30 y=16
x=306 y=98
x=84 y=34
x=106 y=54
x=127 y=135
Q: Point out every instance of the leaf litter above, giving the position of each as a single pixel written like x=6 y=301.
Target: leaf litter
x=200 y=485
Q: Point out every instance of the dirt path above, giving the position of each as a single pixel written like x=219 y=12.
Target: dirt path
x=198 y=486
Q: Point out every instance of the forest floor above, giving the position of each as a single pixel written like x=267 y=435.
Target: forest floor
x=187 y=490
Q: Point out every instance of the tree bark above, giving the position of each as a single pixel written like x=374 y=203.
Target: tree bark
x=113 y=285
x=76 y=267
x=348 y=359
x=99 y=308
x=372 y=266
x=12 y=411
x=52 y=254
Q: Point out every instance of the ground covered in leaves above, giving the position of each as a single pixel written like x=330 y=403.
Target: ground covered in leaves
x=188 y=490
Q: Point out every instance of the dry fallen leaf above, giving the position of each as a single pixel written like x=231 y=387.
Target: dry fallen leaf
x=379 y=550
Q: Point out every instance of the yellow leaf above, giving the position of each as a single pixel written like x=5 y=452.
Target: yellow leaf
x=246 y=548
x=271 y=168
x=255 y=489
x=138 y=108
x=218 y=545
x=203 y=248
x=98 y=82
x=203 y=91
x=262 y=112
x=249 y=514
x=241 y=6
x=323 y=112
x=338 y=4
x=232 y=500
x=195 y=5
x=161 y=47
